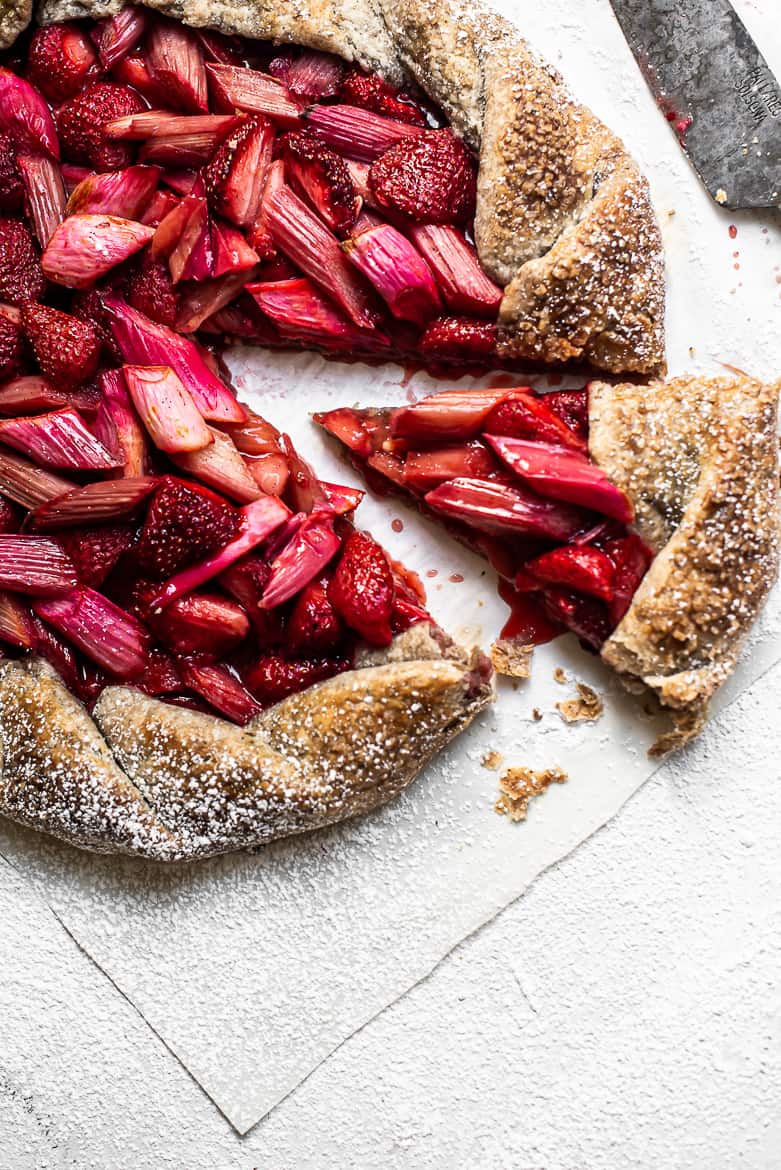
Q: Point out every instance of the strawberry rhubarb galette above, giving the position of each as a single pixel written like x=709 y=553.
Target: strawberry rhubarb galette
x=201 y=650
x=643 y=519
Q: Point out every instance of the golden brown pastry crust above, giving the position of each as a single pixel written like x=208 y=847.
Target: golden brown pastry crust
x=564 y=217
x=144 y=777
x=699 y=459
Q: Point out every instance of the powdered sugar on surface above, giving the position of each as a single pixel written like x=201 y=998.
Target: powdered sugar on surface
x=254 y=968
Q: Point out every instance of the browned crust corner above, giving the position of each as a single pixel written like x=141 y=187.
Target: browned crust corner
x=699 y=459
x=144 y=777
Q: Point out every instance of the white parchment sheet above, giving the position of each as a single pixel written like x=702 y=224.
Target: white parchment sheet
x=252 y=969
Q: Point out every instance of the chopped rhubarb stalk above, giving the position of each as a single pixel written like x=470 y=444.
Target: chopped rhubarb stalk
x=359 y=174
x=424 y=470
x=45 y=192
x=270 y=472
x=221 y=466
x=157 y=208
x=453 y=260
x=451 y=414
x=358 y=134
x=206 y=297
x=321 y=177
x=85 y=247
x=95 y=503
x=563 y=474
x=310 y=74
x=16 y=623
x=459 y=339
x=116 y=36
x=36 y=565
x=176 y=63
x=25 y=116
x=170 y=229
x=144 y=342
x=107 y=634
x=218 y=48
x=583 y=568
x=258 y=520
x=234 y=87
x=304 y=490
x=205 y=624
x=28 y=485
x=306 y=241
x=399 y=273
x=586 y=617
x=123 y=193
x=304 y=558
x=72 y=175
x=222 y=689
x=30 y=394
x=299 y=311
x=259 y=235
x=166 y=410
x=59 y=439
x=525 y=415
x=389 y=466
x=134 y=71
x=496 y=507
x=232 y=253
x=342 y=498
x=236 y=177
x=256 y=436
x=163 y=124
x=192 y=257
x=346 y=425
x=118 y=426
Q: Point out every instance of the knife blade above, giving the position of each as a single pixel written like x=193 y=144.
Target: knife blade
x=716 y=89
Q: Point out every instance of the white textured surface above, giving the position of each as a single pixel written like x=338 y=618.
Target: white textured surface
x=650 y=1028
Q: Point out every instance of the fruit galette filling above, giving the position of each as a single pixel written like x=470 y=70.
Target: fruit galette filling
x=508 y=472
x=236 y=188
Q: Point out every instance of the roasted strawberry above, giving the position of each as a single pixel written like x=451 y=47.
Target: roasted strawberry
x=184 y=524
x=11 y=189
x=431 y=178
x=525 y=415
x=580 y=567
x=245 y=580
x=87 y=305
x=235 y=178
x=160 y=676
x=96 y=551
x=21 y=276
x=274 y=678
x=61 y=61
x=362 y=589
x=459 y=339
x=584 y=616
x=572 y=408
x=81 y=120
x=321 y=177
x=66 y=348
x=11 y=346
x=204 y=624
x=632 y=559
x=314 y=626
x=151 y=291
x=370 y=92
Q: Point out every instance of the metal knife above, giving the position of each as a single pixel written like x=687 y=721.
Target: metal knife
x=716 y=89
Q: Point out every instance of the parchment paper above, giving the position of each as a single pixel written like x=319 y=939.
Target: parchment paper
x=252 y=969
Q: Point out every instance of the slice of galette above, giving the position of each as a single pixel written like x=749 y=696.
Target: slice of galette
x=643 y=518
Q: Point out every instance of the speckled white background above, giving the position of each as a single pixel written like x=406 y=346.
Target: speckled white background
x=625 y=1012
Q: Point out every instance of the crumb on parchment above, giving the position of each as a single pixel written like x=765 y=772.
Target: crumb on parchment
x=512 y=658
x=518 y=786
x=587 y=705
x=560 y=675
x=536 y=714
x=492 y=760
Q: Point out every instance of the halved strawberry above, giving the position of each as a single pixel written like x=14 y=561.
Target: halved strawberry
x=96 y=551
x=572 y=408
x=370 y=92
x=202 y=623
x=273 y=678
x=151 y=291
x=362 y=589
x=67 y=349
x=459 y=339
x=11 y=189
x=321 y=177
x=184 y=524
x=21 y=277
x=432 y=178
x=61 y=61
x=11 y=346
x=81 y=120
x=160 y=675
x=632 y=559
x=581 y=567
x=314 y=626
x=235 y=178
x=245 y=580
x=525 y=415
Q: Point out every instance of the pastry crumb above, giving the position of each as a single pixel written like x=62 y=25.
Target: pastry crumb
x=536 y=714
x=511 y=658
x=586 y=706
x=721 y=195
x=492 y=760
x=560 y=675
x=518 y=786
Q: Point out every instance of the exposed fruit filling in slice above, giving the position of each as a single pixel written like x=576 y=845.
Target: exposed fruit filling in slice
x=507 y=472
x=228 y=186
